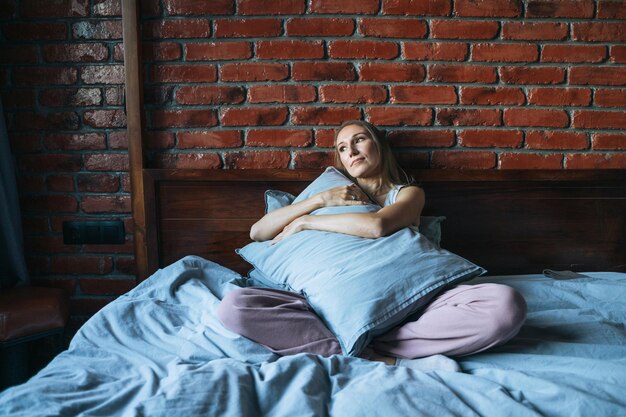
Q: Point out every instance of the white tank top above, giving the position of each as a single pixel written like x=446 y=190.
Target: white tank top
x=391 y=198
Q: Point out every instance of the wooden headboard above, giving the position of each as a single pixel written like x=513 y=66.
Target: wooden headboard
x=506 y=221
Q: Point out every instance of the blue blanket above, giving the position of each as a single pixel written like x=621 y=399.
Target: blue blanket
x=160 y=351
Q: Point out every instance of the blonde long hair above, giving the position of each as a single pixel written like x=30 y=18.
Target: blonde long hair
x=390 y=171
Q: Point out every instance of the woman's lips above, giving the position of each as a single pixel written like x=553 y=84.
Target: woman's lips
x=356 y=160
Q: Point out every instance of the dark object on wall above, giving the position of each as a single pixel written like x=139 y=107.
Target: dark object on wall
x=93 y=232
x=12 y=262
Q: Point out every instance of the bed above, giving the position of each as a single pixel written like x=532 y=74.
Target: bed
x=160 y=350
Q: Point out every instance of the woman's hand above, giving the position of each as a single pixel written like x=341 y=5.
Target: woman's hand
x=344 y=195
x=294 y=227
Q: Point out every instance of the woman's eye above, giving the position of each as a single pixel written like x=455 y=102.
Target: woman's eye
x=342 y=148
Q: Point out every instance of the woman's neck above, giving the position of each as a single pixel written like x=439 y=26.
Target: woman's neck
x=374 y=187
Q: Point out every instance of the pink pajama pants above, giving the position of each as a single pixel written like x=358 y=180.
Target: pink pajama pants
x=460 y=321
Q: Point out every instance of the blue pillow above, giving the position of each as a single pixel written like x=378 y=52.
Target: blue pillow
x=430 y=226
x=359 y=287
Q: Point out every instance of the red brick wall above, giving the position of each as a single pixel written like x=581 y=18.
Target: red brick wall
x=491 y=84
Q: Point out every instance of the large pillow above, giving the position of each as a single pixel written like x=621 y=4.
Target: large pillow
x=430 y=226
x=359 y=287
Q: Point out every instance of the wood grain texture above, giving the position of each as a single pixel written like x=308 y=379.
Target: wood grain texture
x=509 y=222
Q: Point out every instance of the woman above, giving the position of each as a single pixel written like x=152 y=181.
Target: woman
x=462 y=320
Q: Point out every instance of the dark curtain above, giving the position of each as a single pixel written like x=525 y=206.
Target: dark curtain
x=12 y=265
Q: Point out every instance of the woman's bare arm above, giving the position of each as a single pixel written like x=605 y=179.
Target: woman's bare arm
x=275 y=221
x=404 y=212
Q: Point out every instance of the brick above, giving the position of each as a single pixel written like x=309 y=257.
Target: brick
x=392 y=28
x=54 y=8
x=500 y=52
x=96 y=286
x=25 y=143
x=105 y=118
x=596 y=161
x=559 y=96
x=314 y=26
x=30 y=76
x=187 y=161
x=160 y=95
x=70 y=97
x=159 y=140
x=57 y=203
x=463 y=159
x=97 y=29
x=30 y=183
x=597 y=75
x=550 y=139
x=532 y=75
x=47 y=121
x=590 y=119
x=150 y=8
x=534 y=31
x=60 y=183
x=289 y=49
x=469 y=117
x=183 y=118
x=459 y=29
x=492 y=96
x=344 y=7
x=610 y=98
x=106 y=162
x=105 y=204
x=573 y=53
x=285 y=93
x=79 y=52
x=373 y=71
x=325 y=138
x=218 y=51
x=82 y=264
x=114 y=96
x=176 y=28
x=195 y=7
x=210 y=95
x=254 y=72
x=39 y=31
x=119 y=140
x=159 y=51
x=313 y=160
x=608 y=141
x=560 y=8
x=323 y=71
x=417 y=8
x=209 y=139
x=82 y=308
x=193 y=73
x=413 y=159
x=50 y=162
x=247 y=28
x=98 y=183
x=280 y=137
x=356 y=93
x=490 y=138
x=102 y=74
x=487 y=8
x=618 y=54
x=323 y=115
x=35 y=225
x=435 y=51
x=125 y=265
x=16 y=99
x=422 y=94
x=461 y=73
x=509 y=160
x=535 y=117
x=276 y=7
x=75 y=142
x=21 y=54
x=265 y=116
x=399 y=116
x=257 y=159
x=611 y=9
x=599 y=32
x=362 y=49
x=421 y=138
x=107 y=8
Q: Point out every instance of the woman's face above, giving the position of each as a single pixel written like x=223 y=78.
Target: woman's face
x=358 y=152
